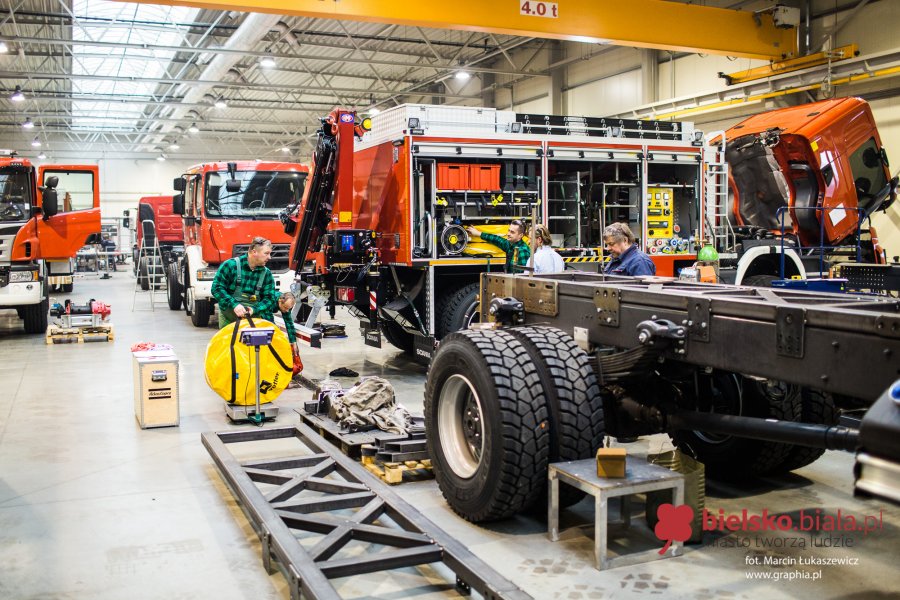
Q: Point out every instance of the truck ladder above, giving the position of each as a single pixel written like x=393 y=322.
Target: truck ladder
x=317 y=478
x=152 y=256
x=716 y=211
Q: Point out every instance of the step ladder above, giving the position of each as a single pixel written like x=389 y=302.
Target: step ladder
x=150 y=269
x=717 y=211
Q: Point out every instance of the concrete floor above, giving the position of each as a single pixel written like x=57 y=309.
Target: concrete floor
x=91 y=506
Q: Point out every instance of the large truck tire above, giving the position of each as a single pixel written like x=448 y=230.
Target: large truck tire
x=67 y=288
x=574 y=404
x=397 y=336
x=456 y=310
x=201 y=312
x=34 y=316
x=759 y=280
x=733 y=458
x=143 y=277
x=174 y=291
x=486 y=418
x=815 y=407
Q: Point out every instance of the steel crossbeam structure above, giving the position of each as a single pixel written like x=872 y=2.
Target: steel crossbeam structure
x=310 y=493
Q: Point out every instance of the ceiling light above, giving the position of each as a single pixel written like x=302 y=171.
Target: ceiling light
x=220 y=103
x=462 y=75
x=42 y=156
x=174 y=146
x=193 y=128
x=36 y=143
x=3 y=46
x=267 y=61
x=161 y=157
x=17 y=96
x=374 y=111
x=285 y=149
x=28 y=124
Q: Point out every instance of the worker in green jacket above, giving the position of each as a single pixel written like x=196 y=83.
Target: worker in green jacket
x=244 y=286
x=517 y=251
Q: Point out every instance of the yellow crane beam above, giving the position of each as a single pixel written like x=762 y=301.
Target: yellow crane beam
x=642 y=23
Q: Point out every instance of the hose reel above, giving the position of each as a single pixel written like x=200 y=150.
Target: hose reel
x=454 y=239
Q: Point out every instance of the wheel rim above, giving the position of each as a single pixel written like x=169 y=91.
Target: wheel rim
x=722 y=403
x=190 y=300
x=461 y=426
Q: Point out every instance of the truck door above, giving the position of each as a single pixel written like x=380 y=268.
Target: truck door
x=61 y=235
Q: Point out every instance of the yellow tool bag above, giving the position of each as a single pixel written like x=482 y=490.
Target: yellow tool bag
x=231 y=366
x=476 y=247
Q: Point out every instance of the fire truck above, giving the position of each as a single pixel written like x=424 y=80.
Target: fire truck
x=46 y=215
x=382 y=226
x=223 y=206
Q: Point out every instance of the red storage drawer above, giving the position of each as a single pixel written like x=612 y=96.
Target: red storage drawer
x=484 y=177
x=453 y=176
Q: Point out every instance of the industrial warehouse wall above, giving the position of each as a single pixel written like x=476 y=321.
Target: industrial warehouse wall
x=124 y=182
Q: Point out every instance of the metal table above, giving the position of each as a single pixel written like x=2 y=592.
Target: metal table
x=640 y=477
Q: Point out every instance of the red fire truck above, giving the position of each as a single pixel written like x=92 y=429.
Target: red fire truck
x=223 y=206
x=381 y=228
x=46 y=215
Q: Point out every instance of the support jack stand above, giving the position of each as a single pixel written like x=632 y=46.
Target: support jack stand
x=256 y=337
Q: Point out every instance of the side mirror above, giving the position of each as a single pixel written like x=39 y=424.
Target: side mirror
x=232 y=185
x=49 y=197
x=50 y=202
x=178 y=203
x=178 y=184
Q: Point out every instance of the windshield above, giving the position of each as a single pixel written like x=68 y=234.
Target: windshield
x=14 y=202
x=262 y=195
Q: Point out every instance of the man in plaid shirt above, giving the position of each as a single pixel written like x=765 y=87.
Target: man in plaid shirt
x=517 y=251
x=244 y=286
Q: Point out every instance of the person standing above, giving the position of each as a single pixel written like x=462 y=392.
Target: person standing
x=627 y=258
x=517 y=251
x=545 y=259
x=244 y=287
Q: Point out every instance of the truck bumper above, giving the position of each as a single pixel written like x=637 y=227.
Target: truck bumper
x=20 y=294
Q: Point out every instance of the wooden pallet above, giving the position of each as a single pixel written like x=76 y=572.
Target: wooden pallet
x=349 y=443
x=393 y=473
x=79 y=335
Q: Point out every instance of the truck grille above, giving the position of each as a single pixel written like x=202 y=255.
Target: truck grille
x=279 y=260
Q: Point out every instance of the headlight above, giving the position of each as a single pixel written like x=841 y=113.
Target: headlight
x=20 y=276
x=206 y=274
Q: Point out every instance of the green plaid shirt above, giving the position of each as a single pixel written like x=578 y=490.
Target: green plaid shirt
x=519 y=252
x=224 y=290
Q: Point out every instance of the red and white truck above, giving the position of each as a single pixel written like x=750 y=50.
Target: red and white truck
x=222 y=207
x=46 y=215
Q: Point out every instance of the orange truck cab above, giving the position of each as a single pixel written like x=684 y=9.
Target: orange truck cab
x=46 y=215
x=810 y=175
x=223 y=206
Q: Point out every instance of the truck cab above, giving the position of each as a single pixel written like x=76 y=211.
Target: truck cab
x=223 y=206
x=46 y=215
x=807 y=175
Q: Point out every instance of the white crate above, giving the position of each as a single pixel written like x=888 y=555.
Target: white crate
x=156 y=389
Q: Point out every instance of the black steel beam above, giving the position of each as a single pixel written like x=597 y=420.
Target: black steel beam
x=414 y=541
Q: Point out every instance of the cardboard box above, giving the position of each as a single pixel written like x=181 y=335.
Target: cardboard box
x=611 y=462
x=156 y=389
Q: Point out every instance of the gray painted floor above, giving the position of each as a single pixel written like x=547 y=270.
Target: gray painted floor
x=91 y=506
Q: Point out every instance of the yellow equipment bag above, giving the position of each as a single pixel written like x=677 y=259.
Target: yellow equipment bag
x=231 y=366
x=476 y=247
